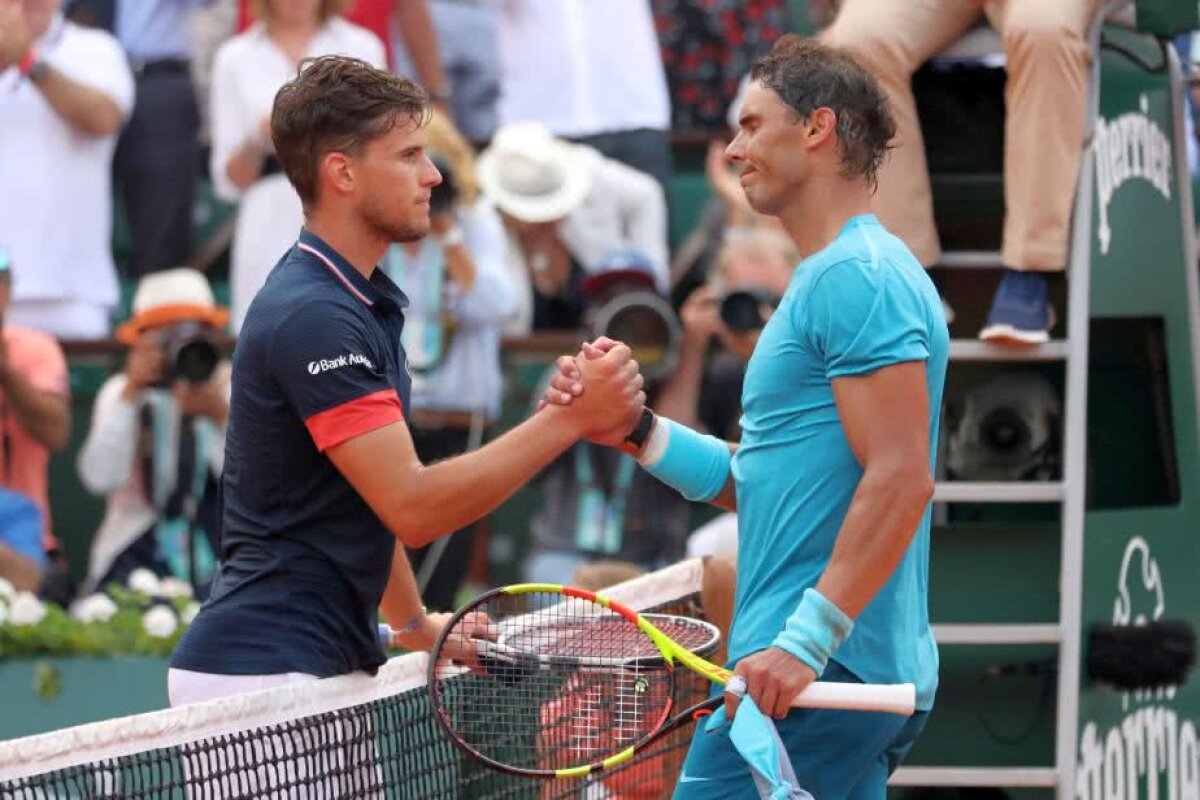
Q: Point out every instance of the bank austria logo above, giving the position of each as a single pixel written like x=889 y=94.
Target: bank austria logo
x=1131 y=147
x=1150 y=752
x=337 y=362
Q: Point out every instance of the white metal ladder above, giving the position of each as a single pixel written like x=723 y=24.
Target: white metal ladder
x=1069 y=493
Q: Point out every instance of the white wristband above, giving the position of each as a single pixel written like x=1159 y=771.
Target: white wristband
x=656 y=445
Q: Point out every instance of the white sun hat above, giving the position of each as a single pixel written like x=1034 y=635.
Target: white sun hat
x=171 y=295
x=533 y=176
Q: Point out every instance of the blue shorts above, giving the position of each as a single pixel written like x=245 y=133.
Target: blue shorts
x=837 y=755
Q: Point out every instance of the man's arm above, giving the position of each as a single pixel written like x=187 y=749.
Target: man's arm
x=885 y=415
x=45 y=415
x=20 y=570
x=679 y=397
x=419 y=503
x=89 y=110
x=886 y=419
x=416 y=26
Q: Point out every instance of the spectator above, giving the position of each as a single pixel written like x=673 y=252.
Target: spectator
x=64 y=93
x=413 y=20
x=706 y=393
x=565 y=207
x=596 y=503
x=467 y=38
x=1046 y=97
x=22 y=557
x=590 y=72
x=459 y=294
x=247 y=71
x=35 y=409
x=156 y=445
x=157 y=158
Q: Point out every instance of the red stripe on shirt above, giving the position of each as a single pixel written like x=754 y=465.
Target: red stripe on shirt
x=333 y=426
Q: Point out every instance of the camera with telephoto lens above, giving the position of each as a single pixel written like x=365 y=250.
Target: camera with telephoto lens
x=741 y=309
x=647 y=323
x=443 y=196
x=190 y=353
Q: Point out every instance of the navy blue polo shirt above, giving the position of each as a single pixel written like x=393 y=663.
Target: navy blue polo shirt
x=304 y=560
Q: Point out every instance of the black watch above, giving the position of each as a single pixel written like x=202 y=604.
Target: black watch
x=637 y=437
x=38 y=71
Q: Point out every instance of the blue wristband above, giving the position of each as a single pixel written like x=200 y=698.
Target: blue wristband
x=814 y=631
x=694 y=464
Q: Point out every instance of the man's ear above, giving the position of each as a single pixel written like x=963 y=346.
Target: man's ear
x=337 y=172
x=820 y=126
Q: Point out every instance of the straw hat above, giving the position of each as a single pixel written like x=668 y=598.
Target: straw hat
x=173 y=295
x=533 y=176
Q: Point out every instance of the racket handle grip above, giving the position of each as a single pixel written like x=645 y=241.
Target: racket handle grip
x=899 y=698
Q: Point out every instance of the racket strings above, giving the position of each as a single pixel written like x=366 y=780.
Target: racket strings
x=527 y=705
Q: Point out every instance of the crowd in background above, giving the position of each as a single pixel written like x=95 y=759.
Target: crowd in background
x=552 y=125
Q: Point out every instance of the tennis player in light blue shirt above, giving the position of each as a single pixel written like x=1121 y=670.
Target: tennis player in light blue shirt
x=832 y=479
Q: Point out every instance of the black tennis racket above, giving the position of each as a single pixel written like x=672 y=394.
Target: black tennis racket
x=566 y=682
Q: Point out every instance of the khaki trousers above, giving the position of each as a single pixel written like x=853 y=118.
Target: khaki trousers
x=1046 y=99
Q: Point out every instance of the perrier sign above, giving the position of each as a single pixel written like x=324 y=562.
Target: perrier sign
x=1141 y=554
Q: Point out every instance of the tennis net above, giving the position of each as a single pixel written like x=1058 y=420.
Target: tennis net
x=352 y=736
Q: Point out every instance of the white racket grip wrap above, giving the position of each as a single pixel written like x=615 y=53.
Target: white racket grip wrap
x=896 y=698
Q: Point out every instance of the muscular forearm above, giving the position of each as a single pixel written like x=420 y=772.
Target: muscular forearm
x=880 y=525
x=46 y=416
x=401 y=606
x=20 y=570
x=87 y=109
x=451 y=494
x=416 y=26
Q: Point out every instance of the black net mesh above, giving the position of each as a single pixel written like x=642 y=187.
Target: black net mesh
x=386 y=748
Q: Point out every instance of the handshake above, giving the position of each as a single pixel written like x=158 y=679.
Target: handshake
x=599 y=392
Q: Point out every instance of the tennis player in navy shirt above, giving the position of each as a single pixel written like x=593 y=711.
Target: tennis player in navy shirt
x=321 y=477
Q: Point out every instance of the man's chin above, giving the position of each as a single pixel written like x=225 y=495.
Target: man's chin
x=411 y=232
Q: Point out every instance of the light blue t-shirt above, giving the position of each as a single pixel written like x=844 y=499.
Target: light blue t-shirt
x=862 y=303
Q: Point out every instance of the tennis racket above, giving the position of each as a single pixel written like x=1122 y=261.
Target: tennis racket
x=566 y=682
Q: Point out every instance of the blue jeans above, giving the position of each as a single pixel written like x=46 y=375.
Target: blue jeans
x=837 y=755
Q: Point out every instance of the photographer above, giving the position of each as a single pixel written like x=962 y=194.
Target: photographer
x=459 y=294
x=156 y=445
x=754 y=268
x=596 y=503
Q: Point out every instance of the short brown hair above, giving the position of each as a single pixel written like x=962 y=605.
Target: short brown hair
x=339 y=104
x=261 y=9
x=808 y=75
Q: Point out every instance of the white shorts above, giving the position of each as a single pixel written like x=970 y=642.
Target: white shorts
x=185 y=687
x=335 y=757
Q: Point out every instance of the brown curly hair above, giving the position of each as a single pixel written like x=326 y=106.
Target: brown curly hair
x=337 y=103
x=807 y=75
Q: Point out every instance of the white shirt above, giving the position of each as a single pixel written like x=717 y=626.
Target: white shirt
x=56 y=207
x=247 y=72
x=581 y=67
x=469 y=377
x=106 y=467
x=624 y=210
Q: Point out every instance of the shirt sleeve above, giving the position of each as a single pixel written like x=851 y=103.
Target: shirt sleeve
x=40 y=359
x=21 y=526
x=859 y=323
x=102 y=66
x=227 y=120
x=330 y=372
